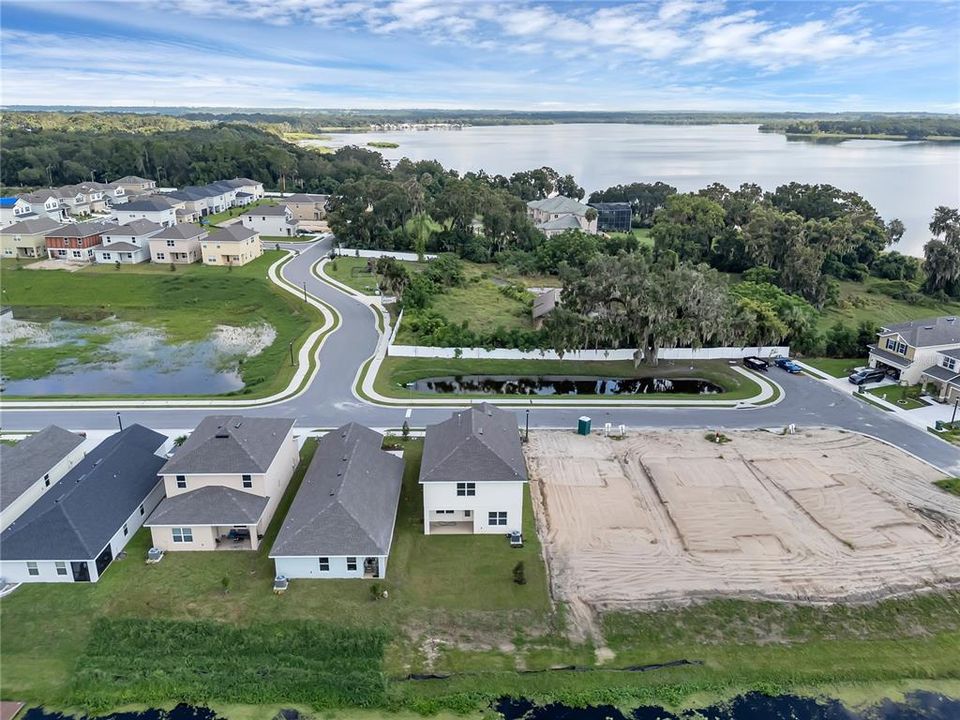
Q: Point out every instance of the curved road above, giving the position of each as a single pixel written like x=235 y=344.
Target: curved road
x=329 y=400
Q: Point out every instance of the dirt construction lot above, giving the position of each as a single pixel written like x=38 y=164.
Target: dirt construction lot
x=670 y=517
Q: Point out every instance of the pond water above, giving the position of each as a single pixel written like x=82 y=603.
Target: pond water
x=902 y=179
x=109 y=357
x=561 y=385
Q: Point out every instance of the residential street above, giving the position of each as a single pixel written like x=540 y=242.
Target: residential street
x=330 y=402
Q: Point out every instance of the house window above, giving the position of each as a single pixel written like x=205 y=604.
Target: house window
x=61 y=567
x=466 y=489
x=106 y=256
x=126 y=531
x=324 y=564
x=497 y=517
x=247 y=481
x=141 y=510
x=46 y=480
x=444 y=512
x=171 y=243
x=32 y=569
x=351 y=563
x=181 y=481
x=891 y=344
x=902 y=348
x=468 y=513
x=949 y=363
x=160 y=256
x=76 y=254
x=182 y=535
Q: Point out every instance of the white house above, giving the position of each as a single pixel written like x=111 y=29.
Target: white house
x=128 y=243
x=912 y=347
x=42 y=203
x=178 y=244
x=155 y=208
x=473 y=474
x=14 y=209
x=32 y=466
x=75 y=530
x=224 y=483
x=340 y=524
x=557 y=214
x=271 y=221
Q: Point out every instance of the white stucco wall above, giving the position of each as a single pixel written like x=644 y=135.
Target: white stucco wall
x=490 y=497
x=35 y=491
x=165 y=217
x=309 y=567
x=274 y=225
x=204 y=538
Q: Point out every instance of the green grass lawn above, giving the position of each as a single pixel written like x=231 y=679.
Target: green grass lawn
x=837 y=367
x=895 y=394
x=186 y=304
x=396 y=372
x=219 y=217
x=858 y=304
x=951 y=485
x=452 y=608
x=354 y=273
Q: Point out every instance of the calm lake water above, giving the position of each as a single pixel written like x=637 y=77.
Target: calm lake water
x=902 y=179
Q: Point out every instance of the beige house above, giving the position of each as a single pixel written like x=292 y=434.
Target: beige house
x=307 y=207
x=232 y=245
x=224 y=483
x=944 y=376
x=911 y=348
x=27 y=238
x=132 y=183
x=178 y=244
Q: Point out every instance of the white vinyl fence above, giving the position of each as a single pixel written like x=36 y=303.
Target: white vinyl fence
x=722 y=353
x=408 y=256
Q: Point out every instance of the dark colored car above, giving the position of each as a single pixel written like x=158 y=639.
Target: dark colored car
x=787 y=364
x=867 y=375
x=755 y=363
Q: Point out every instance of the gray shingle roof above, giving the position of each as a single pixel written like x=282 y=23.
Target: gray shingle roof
x=131 y=180
x=120 y=247
x=32 y=226
x=231 y=233
x=141 y=226
x=83 y=229
x=230 y=444
x=475 y=445
x=559 y=204
x=564 y=222
x=306 y=198
x=267 y=210
x=151 y=203
x=347 y=504
x=180 y=231
x=889 y=357
x=76 y=518
x=941 y=373
x=30 y=459
x=951 y=353
x=545 y=303
x=213 y=505
x=943 y=330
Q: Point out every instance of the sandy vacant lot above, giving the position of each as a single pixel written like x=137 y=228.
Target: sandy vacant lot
x=669 y=517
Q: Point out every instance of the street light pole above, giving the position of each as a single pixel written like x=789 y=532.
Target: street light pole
x=291 y=353
x=527 y=436
x=119 y=421
x=955 y=402
x=305 y=291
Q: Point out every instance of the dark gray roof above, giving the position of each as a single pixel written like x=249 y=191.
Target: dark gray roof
x=267 y=210
x=32 y=226
x=306 y=198
x=347 y=504
x=30 y=459
x=475 y=445
x=213 y=505
x=941 y=373
x=230 y=444
x=141 y=226
x=152 y=203
x=131 y=180
x=889 y=357
x=180 y=231
x=231 y=233
x=545 y=303
x=564 y=222
x=120 y=247
x=951 y=353
x=76 y=518
x=944 y=330
x=83 y=229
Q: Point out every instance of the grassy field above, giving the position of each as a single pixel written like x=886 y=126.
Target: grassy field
x=186 y=304
x=219 y=217
x=642 y=235
x=951 y=485
x=395 y=373
x=838 y=367
x=353 y=272
x=452 y=609
x=857 y=304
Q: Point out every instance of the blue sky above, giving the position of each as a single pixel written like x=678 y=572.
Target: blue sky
x=658 y=55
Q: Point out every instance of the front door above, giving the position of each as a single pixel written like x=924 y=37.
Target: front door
x=104 y=559
x=81 y=571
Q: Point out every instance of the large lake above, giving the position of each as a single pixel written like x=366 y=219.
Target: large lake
x=902 y=179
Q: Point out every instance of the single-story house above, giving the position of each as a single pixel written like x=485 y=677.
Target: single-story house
x=232 y=245
x=27 y=238
x=271 y=220
x=340 y=524
x=224 y=483
x=910 y=348
x=33 y=466
x=155 y=208
x=473 y=474
x=75 y=530
x=558 y=214
x=178 y=244
x=128 y=243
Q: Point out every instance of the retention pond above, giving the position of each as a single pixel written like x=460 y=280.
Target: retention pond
x=561 y=385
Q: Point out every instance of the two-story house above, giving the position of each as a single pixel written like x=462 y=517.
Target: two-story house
x=233 y=245
x=33 y=466
x=128 y=243
x=307 y=207
x=910 y=348
x=178 y=244
x=557 y=214
x=340 y=524
x=271 y=221
x=224 y=483
x=27 y=238
x=75 y=529
x=76 y=242
x=133 y=183
x=14 y=209
x=156 y=209
x=944 y=375
x=43 y=203
x=473 y=474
